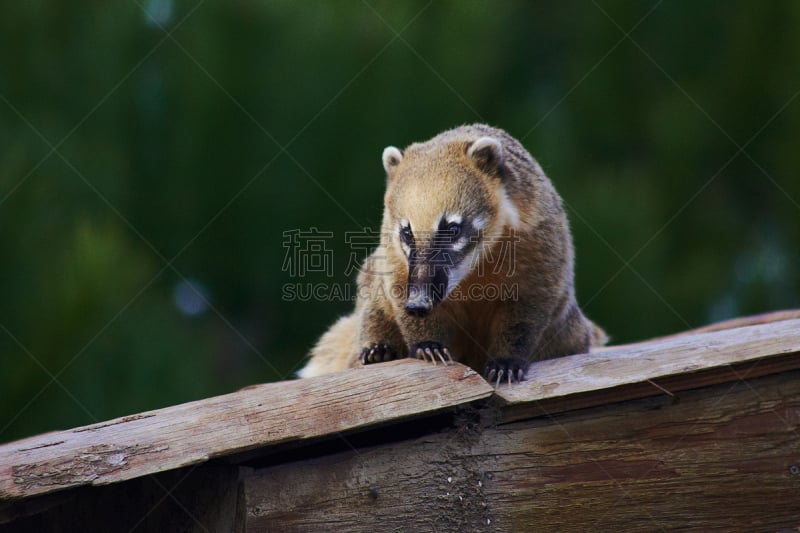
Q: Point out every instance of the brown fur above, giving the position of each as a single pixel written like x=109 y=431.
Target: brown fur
x=496 y=183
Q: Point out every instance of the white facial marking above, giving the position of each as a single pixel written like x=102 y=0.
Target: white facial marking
x=455 y=218
x=508 y=211
x=479 y=223
x=403 y=246
x=458 y=272
x=456 y=275
x=460 y=244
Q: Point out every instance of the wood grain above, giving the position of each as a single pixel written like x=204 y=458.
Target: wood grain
x=653 y=368
x=264 y=415
x=724 y=458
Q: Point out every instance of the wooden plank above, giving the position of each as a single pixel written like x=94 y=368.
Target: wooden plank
x=724 y=458
x=194 y=432
x=653 y=368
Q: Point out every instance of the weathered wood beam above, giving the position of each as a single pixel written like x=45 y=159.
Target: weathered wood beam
x=723 y=458
x=653 y=368
x=259 y=416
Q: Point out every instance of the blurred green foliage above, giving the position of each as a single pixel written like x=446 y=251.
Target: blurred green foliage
x=153 y=144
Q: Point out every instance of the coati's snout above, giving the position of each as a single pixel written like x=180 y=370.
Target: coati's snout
x=437 y=260
x=427 y=280
x=419 y=307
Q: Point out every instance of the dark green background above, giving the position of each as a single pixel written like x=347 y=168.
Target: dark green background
x=132 y=160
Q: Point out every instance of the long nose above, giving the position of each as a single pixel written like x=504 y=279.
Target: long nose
x=419 y=303
x=427 y=282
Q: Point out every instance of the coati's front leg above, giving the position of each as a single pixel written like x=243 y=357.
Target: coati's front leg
x=379 y=337
x=513 y=348
x=528 y=333
x=519 y=332
x=426 y=337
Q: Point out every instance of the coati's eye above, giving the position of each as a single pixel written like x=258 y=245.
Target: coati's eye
x=454 y=228
x=406 y=236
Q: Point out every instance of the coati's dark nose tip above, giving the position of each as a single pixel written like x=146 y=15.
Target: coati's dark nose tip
x=418 y=309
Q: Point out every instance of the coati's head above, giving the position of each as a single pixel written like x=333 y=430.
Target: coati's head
x=444 y=198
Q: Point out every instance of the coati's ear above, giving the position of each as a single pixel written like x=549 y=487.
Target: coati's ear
x=391 y=158
x=487 y=153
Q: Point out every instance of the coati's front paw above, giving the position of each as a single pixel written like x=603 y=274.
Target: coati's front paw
x=430 y=351
x=512 y=369
x=377 y=353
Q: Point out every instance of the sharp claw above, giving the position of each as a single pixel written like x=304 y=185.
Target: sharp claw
x=441 y=357
x=447 y=354
x=499 y=377
x=510 y=373
x=490 y=376
x=519 y=375
x=420 y=354
x=429 y=353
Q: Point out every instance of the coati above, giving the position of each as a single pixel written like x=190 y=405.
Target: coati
x=475 y=264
